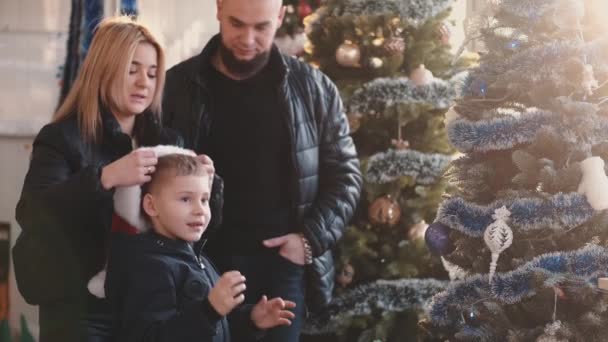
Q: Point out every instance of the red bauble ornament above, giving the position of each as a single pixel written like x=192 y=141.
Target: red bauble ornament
x=346 y=275
x=304 y=9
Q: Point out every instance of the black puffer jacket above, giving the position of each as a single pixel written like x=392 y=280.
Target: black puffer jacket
x=326 y=178
x=158 y=290
x=65 y=216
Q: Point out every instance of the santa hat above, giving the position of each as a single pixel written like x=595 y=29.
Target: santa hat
x=128 y=217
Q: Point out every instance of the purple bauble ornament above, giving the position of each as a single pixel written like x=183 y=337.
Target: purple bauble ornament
x=437 y=238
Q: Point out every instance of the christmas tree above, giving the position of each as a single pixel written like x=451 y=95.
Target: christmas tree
x=290 y=37
x=525 y=228
x=392 y=63
x=295 y=12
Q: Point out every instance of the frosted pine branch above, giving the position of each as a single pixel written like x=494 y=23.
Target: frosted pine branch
x=383 y=93
x=384 y=295
x=389 y=166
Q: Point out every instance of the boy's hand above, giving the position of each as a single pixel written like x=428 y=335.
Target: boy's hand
x=271 y=313
x=227 y=293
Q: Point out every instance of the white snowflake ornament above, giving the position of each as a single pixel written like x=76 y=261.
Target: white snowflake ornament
x=594 y=183
x=498 y=236
x=589 y=83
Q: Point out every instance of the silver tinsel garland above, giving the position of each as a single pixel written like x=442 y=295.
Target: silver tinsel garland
x=559 y=212
x=426 y=168
x=383 y=295
x=507 y=132
x=584 y=265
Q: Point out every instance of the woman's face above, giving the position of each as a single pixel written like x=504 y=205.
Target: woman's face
x=141 y=81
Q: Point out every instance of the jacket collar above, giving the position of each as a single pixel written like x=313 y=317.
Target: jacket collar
x=146 y=129
x=276 y=61
x=111 y=127
x=172 y=246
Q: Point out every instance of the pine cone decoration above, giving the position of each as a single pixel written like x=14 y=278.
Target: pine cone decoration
x=395 y=45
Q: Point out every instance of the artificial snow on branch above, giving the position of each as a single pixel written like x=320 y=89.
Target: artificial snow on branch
x=426 y=168
x=559 y=212
x=383 y=295
x=383 y=93
x=415 y=10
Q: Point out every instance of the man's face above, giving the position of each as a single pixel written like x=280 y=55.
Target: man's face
x=247 y=28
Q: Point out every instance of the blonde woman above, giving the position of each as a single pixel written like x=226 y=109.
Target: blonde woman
x=66 y=204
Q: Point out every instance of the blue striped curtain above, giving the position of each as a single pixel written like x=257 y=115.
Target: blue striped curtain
x=84 y=18
x=129 y=7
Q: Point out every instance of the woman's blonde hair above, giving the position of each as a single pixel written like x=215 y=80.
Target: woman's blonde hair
x=104 y=72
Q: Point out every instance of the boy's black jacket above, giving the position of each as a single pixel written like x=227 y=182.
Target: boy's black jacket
x=158 y=290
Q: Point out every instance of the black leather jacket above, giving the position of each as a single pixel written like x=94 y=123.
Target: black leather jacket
x=326 y=178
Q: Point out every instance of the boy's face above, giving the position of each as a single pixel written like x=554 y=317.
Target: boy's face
x=179 y=207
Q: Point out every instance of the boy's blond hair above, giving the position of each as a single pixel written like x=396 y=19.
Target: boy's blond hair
x=173 y=165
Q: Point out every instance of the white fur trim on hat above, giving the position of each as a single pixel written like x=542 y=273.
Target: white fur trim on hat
x=127 y=205
x=127 y=200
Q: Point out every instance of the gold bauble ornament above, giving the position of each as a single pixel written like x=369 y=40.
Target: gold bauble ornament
x=378 y=42
x=348 y=55
x=346 y=275
x=421 y=76
x=376 y=62
x=417 y=231
x=384 y=210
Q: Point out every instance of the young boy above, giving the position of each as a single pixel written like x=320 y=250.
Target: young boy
x=163 y=290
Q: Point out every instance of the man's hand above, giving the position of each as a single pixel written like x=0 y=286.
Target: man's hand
x=271 y=313
x=291 y=247
x=227 y=293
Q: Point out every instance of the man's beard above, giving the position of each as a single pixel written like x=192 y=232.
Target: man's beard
x=243 y=68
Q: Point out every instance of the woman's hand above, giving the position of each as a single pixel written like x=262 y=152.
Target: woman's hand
x=133 y=169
